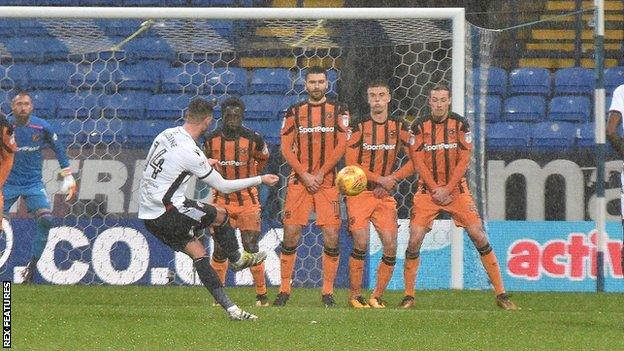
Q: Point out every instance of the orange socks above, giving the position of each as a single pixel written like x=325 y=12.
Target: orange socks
x=356 y=270
x=384 y=274
x=287 y=264
x=220 y=267
x=330 y=268
x=412 y=261
x=490 y=263
x=258 y=277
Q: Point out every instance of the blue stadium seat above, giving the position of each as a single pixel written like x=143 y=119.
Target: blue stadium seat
x=82 y=105
x=570 y=108
x=8 y=27
x=608 y=102
x=232 y=80
x=5 y=102
x=112 y=3
x=45 y=102
x=106 y=131
x=176 y=3
x=495 y=80
x=32 y=27
x=575 y=80
x=187 y=78
x=614 y=77
x=554 y=135
x=508 y=135
x=143 y=2
x=262 y=106
x=58 y=3
x=332 y=76
x=122 y=27
x=493 y=108
x=51 y=76
x=18 y=76
x=97 y=76
x=524 y=108
x=129 y=105
x=531 y=80
x=270 y=130
x=151 y=48
x=288 y=101
x=70 y=130
x=270 y=81
x=585 y=135
x=26 y=48
x=144 y=132
x=136 y=77
x=166 y=106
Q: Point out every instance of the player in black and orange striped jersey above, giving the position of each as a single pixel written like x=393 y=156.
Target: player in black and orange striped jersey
x=241 y=153
x=374 y=146
x=8 y=147
x=440 y=151
x=313 y=140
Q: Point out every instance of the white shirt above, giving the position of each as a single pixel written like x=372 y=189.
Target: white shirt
x=617 y=102
x=172 y=159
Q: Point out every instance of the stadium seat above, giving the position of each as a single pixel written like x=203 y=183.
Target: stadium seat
x=97 y=76
x=119 y=27
x=608 y=102
x=232 y=80
x=106 y=131
x=166 y=106
x=8 y=27
x=71 y=130
x=129 y=105
x=176 y=3
x=575 y=80
x=494 y=82
x=144 y=132
x=270 y=130
x=524 y=108
x=26 y=48
x=186 y=78
x=554 y=135
x=5 y=102
x=82 y=105
x=570 y=108
x=270 y=81
x=531 y=80
x=58 y=3
x=288 y=101
x=150 y=48
x=492 y=108
x=262 y=106
x=585 y=135
x=32 y=27
x=614 y=77
x=508 y=135
x=45 y=102
x=143 y=3
x=18 y=76
x=332 y=76
x=137 y=77
x=51 y=76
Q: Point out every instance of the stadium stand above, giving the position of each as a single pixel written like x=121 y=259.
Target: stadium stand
x=81 y=105
x=51 y=75
x=585 y=135
x=570 y=108
x=270 y=81
x=575 y=80
x=531 y=80
x=492 y=108
x=508 y=135
x=553 y=135
x=526 y=108
x=233 y=79
x=166 y=106
x=262 y=106
x=45 y=102
x=137 y=77
x=130 y=105
x=614 y=77
x=495 y=77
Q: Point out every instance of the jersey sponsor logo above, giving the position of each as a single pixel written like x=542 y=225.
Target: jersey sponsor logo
x=54 y=137
x=29 y=148
x=468 y=137
x=441 y=146
x=36 y=137
x=232 y=163
x=317 y=129
x=374 y=147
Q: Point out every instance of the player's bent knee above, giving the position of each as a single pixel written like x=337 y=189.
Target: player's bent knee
x=251 y=246
x=222 y=218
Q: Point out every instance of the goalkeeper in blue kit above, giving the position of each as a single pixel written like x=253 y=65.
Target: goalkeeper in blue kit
x=32 y=135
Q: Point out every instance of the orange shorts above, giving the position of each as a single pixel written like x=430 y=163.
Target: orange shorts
x=365 y=208
x=299 y=203
x=462 y=209
x=245 y=218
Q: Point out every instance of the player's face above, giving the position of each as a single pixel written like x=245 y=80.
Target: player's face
x=206 y=123
x=233 y=116
x=378 y=99
x=22 y=106
x=316 y=85
x=439 y=102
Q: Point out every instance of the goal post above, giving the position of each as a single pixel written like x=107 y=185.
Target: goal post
x=204 y=60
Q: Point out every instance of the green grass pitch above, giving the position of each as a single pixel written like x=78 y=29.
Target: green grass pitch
x=182 y=318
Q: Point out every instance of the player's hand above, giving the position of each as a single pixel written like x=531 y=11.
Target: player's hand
x=69 y=183
x=310 y=182
x=269 y=179
x=214 y=164
x=387 y=183
x=441 y=196
x=380 y=192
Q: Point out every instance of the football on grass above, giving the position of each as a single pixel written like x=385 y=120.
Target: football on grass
x=351 y=180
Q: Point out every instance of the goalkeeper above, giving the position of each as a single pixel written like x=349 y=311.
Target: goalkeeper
x=32 y=135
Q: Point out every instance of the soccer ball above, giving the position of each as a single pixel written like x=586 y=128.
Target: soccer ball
x=351 y=180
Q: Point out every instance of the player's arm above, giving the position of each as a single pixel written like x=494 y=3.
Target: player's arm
x=69 y=183
x=408 y=168
x=261 y=152
x=465 y=147
x=351 y=155
x=7 y=140
x=417 y=155
x=287 y=140
x=615 y=117
x=341 y=145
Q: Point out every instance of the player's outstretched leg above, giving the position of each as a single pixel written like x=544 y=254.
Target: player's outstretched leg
x=225 y=236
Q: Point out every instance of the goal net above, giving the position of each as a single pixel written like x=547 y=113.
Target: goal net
x=109 y=85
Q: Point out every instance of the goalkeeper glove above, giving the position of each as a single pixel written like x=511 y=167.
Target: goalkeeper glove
x=69 y=183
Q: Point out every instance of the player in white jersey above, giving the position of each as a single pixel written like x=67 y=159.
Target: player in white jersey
x=616 y=111
x=172 y=159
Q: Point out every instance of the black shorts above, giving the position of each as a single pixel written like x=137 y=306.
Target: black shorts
x=175 y=227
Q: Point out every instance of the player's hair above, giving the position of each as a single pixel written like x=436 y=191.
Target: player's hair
x=378 y=83
x=232 y=101
x=315 y=70
x=439 y=87
x=198 y=109
x=19 y=94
